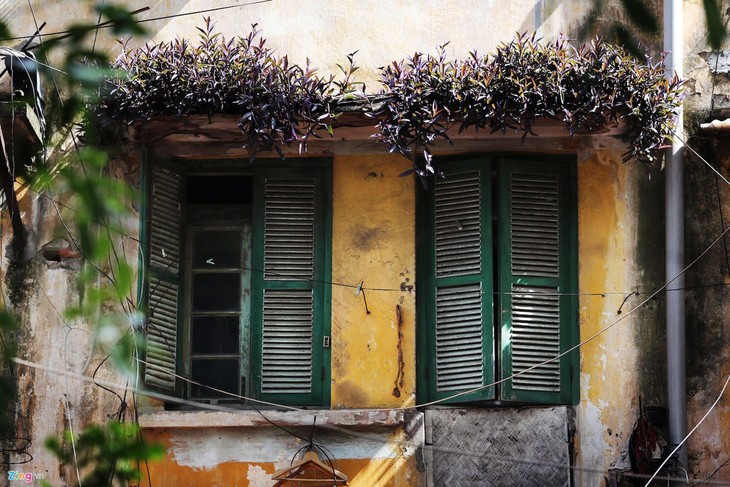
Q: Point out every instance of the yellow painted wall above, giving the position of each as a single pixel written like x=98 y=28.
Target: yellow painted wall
x=606 y=362
x=613 y=371
x=373 y=240
x=397 y=470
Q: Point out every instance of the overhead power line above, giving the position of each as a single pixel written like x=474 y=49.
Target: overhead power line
x=340 y=429
x=108 y=24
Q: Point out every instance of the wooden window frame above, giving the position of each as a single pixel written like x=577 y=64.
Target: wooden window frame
x=318 y=169
x=496 y=281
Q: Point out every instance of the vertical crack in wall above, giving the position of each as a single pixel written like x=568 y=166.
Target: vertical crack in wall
x=401 y=362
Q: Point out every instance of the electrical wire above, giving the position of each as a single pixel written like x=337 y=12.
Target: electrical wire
x=110 y=385
x=78 y=247
x=129 y=305
x=76 y=210
x=220 y=391
x=709 y=477
x=582 y=343
x=67 y=403
x=99 y=366
x=514 y=375
x=112 y=278
x=75 y=143
x=70 y=328
x=589 y=339
x=703 y=160
x=107 y=25
x=402 y=290
x=98 y=26
x=363 y=435
x=552 y=359
x=676 y=449
x=394 y=289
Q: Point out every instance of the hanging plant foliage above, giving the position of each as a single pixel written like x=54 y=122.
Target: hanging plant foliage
x=423 y=98
x=278 y=101
x=585 y=88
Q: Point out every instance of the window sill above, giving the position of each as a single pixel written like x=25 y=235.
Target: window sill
x=242 y=419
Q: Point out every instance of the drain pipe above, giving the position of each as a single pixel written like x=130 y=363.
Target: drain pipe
x=674 y=242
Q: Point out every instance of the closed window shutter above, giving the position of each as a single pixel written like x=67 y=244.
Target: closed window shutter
x=163 y=295
x=536 y=253
x=287 y=319
x=459 y=297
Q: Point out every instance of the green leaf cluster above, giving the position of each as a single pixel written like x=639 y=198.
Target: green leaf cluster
x=93 y=223
x=108 y=454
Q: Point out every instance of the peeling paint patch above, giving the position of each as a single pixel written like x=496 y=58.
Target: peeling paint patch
x=719 y=63
x=222 y=446
x=258 y=477
x=593 y=445
x=267 y=445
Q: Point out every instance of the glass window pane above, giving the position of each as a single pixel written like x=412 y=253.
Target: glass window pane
x=222 y=374
x=217 y=249
x=215 y=334
x=217 y=292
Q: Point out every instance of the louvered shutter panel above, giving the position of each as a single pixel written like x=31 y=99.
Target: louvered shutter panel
x=460 y=331
x=535 y=266
x=163 y=295
x=287 y=310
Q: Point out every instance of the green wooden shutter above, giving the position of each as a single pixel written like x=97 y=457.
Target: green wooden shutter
x=163 y=295
x=288 y=295
x=457 y=301
x=537 y=261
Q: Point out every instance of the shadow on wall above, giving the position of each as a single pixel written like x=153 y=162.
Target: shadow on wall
x=535 y=17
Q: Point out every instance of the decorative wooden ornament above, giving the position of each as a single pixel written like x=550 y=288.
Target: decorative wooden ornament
x=309 y=472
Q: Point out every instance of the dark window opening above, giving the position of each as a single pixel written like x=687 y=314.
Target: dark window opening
x=224 y=189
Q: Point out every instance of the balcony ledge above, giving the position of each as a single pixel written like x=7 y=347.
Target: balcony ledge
x=247 y=418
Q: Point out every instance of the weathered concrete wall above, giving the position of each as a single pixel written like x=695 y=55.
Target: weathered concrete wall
x=380 y=32
x=612 y=380
x=708 y=325
x=52 y=395
x=707 y=200
x=620 y=241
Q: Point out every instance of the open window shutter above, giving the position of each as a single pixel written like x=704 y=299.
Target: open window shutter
x=287 y=301
x=163 y=295
x=459 y=289
x=536 y=261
